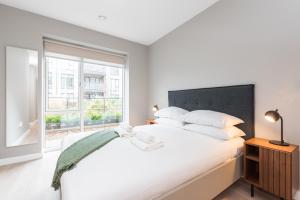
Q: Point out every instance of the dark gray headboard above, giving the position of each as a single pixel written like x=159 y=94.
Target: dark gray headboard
x=237 y=101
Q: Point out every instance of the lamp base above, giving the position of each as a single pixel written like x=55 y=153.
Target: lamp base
x=279 y=143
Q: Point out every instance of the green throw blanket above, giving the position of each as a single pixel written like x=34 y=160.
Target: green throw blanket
x=79 y=150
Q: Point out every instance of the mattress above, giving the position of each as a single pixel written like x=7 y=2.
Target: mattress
x=121 y=171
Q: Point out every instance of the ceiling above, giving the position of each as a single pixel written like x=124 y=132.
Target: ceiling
x=142 y=21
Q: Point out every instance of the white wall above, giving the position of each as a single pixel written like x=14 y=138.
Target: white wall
x=236 y=42
x=24 y=29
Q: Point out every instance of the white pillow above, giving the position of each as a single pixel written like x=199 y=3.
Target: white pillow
x=169 y=122
x=223 y=134
x=211 y=118
x=171 y=112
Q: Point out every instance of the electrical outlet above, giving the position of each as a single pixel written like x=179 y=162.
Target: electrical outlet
x=20 y=124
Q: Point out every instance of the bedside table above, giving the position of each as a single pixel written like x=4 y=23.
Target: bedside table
x=150 y=121
x=272 y=168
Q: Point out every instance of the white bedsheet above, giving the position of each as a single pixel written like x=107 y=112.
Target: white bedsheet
x=120 y=171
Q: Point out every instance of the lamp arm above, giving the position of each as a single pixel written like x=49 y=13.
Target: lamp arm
x=281 y=119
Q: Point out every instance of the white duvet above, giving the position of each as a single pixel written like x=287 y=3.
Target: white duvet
x=120 y=171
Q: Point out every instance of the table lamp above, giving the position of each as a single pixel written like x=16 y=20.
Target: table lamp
x=273 y=116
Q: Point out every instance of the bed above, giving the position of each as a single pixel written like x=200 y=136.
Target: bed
x=189 y=166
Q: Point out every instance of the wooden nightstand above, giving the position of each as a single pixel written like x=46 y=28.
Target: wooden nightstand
x=150 y=121
x=272 y=168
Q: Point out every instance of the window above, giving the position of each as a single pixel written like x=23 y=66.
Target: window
x=114 y=72
x=92 y=83
x=50 y=86
x=99 y=77
x=114 y=88
x=61 y=93
x=67 y=81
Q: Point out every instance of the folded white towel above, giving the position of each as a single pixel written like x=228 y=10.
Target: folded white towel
x=123 y=132
x=144 y=146
x=145 y=137
x=126 y=127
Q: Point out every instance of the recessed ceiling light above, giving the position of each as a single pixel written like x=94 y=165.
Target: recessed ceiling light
x=102 y=17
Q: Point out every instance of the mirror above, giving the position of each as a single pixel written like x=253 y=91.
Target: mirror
x=21 y=96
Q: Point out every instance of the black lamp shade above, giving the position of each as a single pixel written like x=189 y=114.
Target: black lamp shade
x=155 y=108
x=272 y=115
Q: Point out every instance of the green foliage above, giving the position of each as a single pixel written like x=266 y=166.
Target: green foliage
x=94 y=115
x=94 y=104
x=118 y=116
x=93 y=109
x=96 y=111
x=112 y=116
x=56 y=119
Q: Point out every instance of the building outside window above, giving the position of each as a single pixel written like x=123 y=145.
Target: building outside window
x=50 y=80
x=67 y=81
x=114 y=89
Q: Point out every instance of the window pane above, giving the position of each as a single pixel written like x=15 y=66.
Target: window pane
x=63 y=76
x=102 y=96
x=62 y=115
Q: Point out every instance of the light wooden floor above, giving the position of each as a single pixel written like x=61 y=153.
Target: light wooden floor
x=31 y=181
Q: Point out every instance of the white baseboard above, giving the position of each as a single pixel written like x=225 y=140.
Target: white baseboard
x=18 y=159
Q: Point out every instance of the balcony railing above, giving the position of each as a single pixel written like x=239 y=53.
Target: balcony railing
x=96 y=112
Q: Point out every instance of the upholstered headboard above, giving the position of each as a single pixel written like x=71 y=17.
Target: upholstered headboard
x=237 y=101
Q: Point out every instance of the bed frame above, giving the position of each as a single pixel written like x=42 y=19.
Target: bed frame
x=234 y=100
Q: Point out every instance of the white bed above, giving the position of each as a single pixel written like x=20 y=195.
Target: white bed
x=121 y=171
